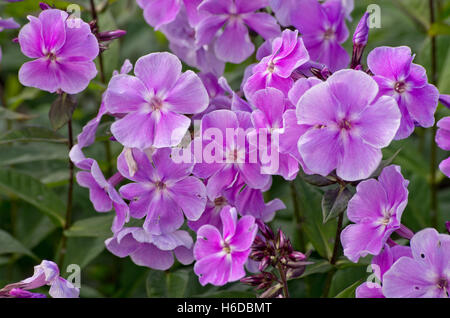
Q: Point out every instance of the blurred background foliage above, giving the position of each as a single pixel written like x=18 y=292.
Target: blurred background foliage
x=34 y=165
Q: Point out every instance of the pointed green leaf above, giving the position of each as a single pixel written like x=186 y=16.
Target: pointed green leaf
x=98 y=226
x=61 y=110
x=9 y=244
x=34 y=192
x=31 y=134
x=334 y=202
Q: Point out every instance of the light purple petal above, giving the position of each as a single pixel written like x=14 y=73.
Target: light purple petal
x=234 y=45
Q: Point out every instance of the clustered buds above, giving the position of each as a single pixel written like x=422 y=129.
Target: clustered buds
x=273 y=250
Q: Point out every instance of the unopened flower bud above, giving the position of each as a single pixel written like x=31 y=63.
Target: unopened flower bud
x=447 y=225
x=110 y=35
x=297 y=256
x=44 y=6
x=360 y=38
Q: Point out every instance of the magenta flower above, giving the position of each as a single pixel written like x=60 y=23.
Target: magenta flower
x=443 y=141
x=398 y=77
x=234 y=44
x=46 y=273
x=163 y=190
x=153 y=102
x=225 y=153
x=63 y=54
x=376 y=208
x=268 y=122
x=250 y=201
x=102 y=193
x=348 y=125
x=323 y=29
x=161 y=12
x=153 y=251
x=181 y=35
x=274 y=70
x=426 y=274
x=445 y=100
x=380 y=265
x=220 y=257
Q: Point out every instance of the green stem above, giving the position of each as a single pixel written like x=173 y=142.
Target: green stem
x=62 y=250
x=433 y=159
x=334 y=256
x=283 y=280
x=298 y=215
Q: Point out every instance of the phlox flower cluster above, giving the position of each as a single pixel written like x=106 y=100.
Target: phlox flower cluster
x=197 y=156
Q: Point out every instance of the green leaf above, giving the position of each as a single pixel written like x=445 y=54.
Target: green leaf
x=349 y=292
x=18 y=154
x=9 y=114
x=82 y=250
x=31 y=134
x=61 y=110
x=319 y=267
x=315 y=179
x=167 y=284
x=98 y=226
x=9 y=244
x=385 y=163
x=334 y=202
x=439 y=28
x=34 y=192
x=320 y=235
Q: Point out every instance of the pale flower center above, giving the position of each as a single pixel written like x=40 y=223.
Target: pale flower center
x=226 y=248
x=400 y=87
x=156 y=103
x=160 y=185
x=220 y=201
x=271 y=67
x=329 y=34
x=345 y=124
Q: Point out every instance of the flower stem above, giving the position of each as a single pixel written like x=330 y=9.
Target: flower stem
x=283 y=280
x=100 y=56
x=334 y=256
x=298 y=216
x=62 y=250
x=433 y=159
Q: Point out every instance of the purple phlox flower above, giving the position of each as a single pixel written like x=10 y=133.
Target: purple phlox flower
x=63 y=55
x=267 y=119
x=380 y=265
x=292 y=131
x=426 y=274
x=154 y=101
x=211 y=215
x=162 y=191
x=220 y=257
x=87 y=135
x=153 y=251
x=443 y=141
x=234 y=44
x=103 y=194
x=47 y=273
x=181 y=35
x=250 y=201
x=348 y=125
x=376 y=209
x=158 y=13
x=218 y=95
x=323 y=29
x=237 y=102
x=274 y=70
x=407 y=82
x=285 y=10
x=445 y=100
x=222 y=152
